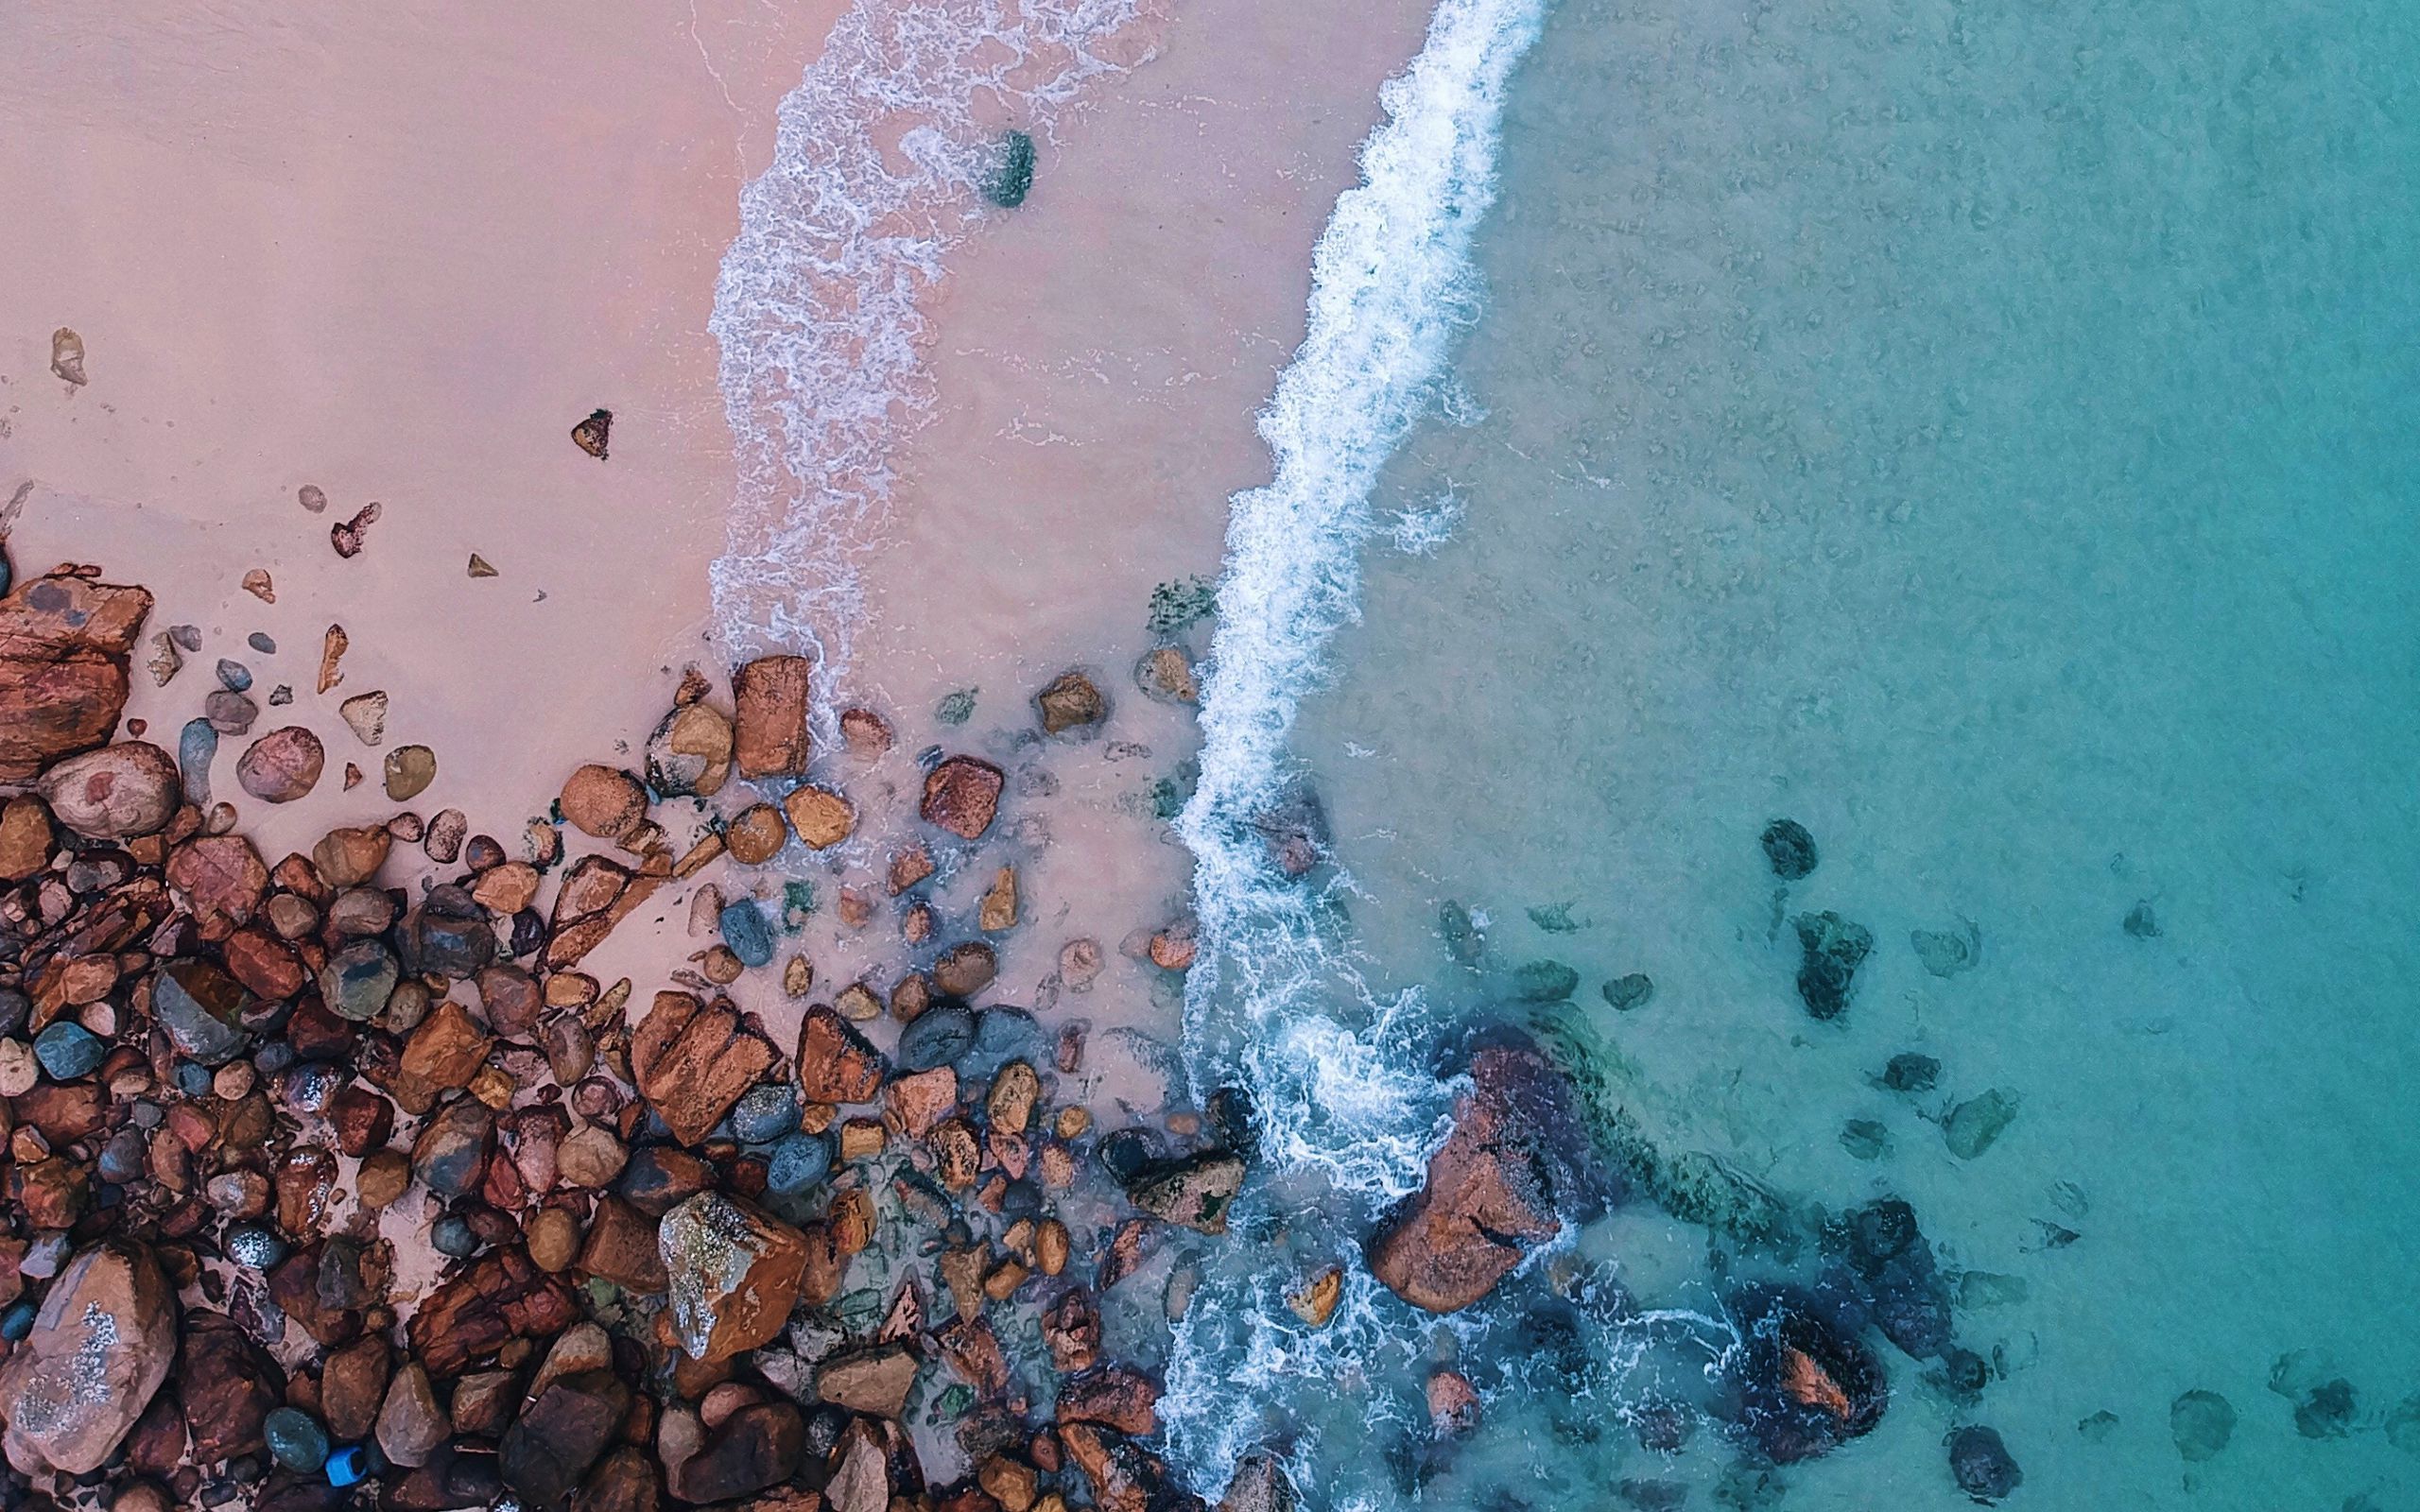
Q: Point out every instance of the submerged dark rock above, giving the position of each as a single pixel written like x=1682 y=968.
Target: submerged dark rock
x=2202 y=1422
x=1982 y=1464
x=1789 y=849
x=1624 y=995
x=1908 y=1072
x=1012 y=176
x=1802 y=1384
x=2325 y=1402
x=1832 y=949
x=1900 y=1286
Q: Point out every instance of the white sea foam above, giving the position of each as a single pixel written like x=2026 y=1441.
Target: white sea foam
x=1342 y=1102
x=820 y=305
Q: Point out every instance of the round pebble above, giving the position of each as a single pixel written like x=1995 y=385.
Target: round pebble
x=233 y=1080
x=68 y=1050
x=766 y=1112
x=99 y=1019
x=233 y=676
x=17 y=1322
x=260 y=642
x=451 y=1236
x=193 y=1077
x=255 y=1245
x=295 y=1441
x=798 y=1162
x=554 y=1240
x=745 y=931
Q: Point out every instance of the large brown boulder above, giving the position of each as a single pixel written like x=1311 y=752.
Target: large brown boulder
x=64 y=644
x=692 y=1062
x=101 y=1345
x=1496 y=1189
x=768 y=731
x=962 y=795
x=734 y=1274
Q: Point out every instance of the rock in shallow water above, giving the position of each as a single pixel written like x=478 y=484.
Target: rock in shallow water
x=2201 y=1423
x=734 y=1274
x=101 y=1343
x=1982 y=1464
x=1803 y=1385
x=1831 y=948
x=1789 y=850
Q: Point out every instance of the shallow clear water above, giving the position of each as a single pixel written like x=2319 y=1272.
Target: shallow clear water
x=1984 y=435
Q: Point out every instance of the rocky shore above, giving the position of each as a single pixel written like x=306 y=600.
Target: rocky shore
x=338 y=1178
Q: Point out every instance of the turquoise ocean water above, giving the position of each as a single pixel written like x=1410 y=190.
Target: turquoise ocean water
x=1989 y=437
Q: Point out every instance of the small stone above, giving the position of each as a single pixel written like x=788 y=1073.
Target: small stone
x=757 y=835
x=1908 y=1072
x=451 y=1151
x=690 y=752
x=603 y=803
x=256 y=582
x=230 y=714
x=68 y=1051
x=357 y=979
x=332 y=648
x=798 y=977
x=1974 y=1124
x=938 y=1038
x=260 y=642
x=876 y=1381
x=746 y=932
x=1626 y=994
x=295 y=1440
x=1316 y=1301
x=282 y=766
x=591 y=1157
x=1070 y=702
x=836 y=1063
x=1831 y=947
x=553 y=1236
x=385 y=1176
x=592 y=434
x=866 y=733
x=411 y=1426
x=166 y=662
x=1789 y=849
x=963 y=971
x=963 y=796
x=1193 y=1192
x=409 y=769
x=821 y=818
x=67 y=357
x=998 y=908
x=480 y=567
x=349 y=536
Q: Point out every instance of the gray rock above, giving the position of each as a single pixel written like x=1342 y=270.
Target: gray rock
x=2201 y=1423
x=936 y=1037
x=1976 y=1124
x=358 y=980
x=201 y=1008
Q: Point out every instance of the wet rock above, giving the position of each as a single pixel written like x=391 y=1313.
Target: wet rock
x=448 y=935
x=197 y=748
x=692 y=1062
x=1453 y=1404
x=625 y=1481
x=1898 y=1281
x=2141 y=922
x=2323 y=1401
x=756 y=835
x=962 y=795
x=219 y=876
x=295 y=1440
x=621 y=1248
x=495 y=1299
x=450 y=1154
x=1070 y=702
x=1495 y=1189
x=1294 y=832
x=358 y=979
x=1982 y=1464
x=755 y=1447
x=65 y=643
x=939 y=1037
x=101 y=1343
x=1789 y=850
x=201 y=1008
x=876 y=1381
x=1113 y=1397
x=733 y=1274
x=1908 y=1072
x=227 y=1387
x=1545 y=981
x=1865 y=1139
x=603 y=803
x=997 y=910
x=690 y=752
x=282 y=766
x=1010 y=177
x=746 y=932
x=559 y=1434
x=1945 y=954
x=116 y=792
x=963 y=971
x=25 y=838
x=353 y=1387
x=1831 y=948
x=1626 y=994
x=444 y=841
x=1974 y=1124
x=1166 y=676
x=411 y=1425
x=1194 y=1191
x=821 y=818
x=591 y=1157
x=1260 y=1485
x=768 y=731
x=349 y=536
x=1803 y=1386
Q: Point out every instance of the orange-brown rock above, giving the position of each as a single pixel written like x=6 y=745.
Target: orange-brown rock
x=912 y=864
x=445 y=1051
x=866 y=733
x=757 y=835
x=1453 y=1404
x=498 y=1298
x=348 y=858
x=769 y=733
x=1114 y=1397
x=1117 y=1468
x=220 y=876
x=962 y=795
x=1070 y=702
x=734 y=1274
x=693 y=1061
x=974 y=1351
x=508 y=888
x=65 y=646
x=996 y=909
x=603 y=803
x=263 y=962
x=836 y=1063
x=596 y=894
x=821 y=818
x=1517 y=1154
x=874 y=1381
x=621 y=1248
x=963 y=971
x=922 y=1100
x=24 y=838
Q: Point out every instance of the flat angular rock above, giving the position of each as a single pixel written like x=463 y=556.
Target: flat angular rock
x=962 y=795
x=836 y=1063
x=220 y=876
x=874 y=1381
x=690 y=752
x=558 y=1437
x=498 y=1298
x=65 y=646
x=734 y=1274
x=1070 y=702
x=821 y=818
x=692 y=1062
x=755 y=1447
x=1193 y=1193
x=768 y=731
x=101 y=1343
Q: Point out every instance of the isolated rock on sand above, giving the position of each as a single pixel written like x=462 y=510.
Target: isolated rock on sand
x=1789 y=850
x=1070 y=702
x=962 y=795
x=768 y=726
x=408 y=771
x=1981 y=1465
x=821 y=818
x=282 y=766
x=332 y=646
x=734 y=1274
x=866 y=733
x=116 y=792
x=67 y=356
x=100 y=1346
x=2201 y=1423
x=349 y=536
x=1495 y=1189
x=1166 y=676
x=1831 y=948
x=603 y=803
x=592 y=434
x=65 y=643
